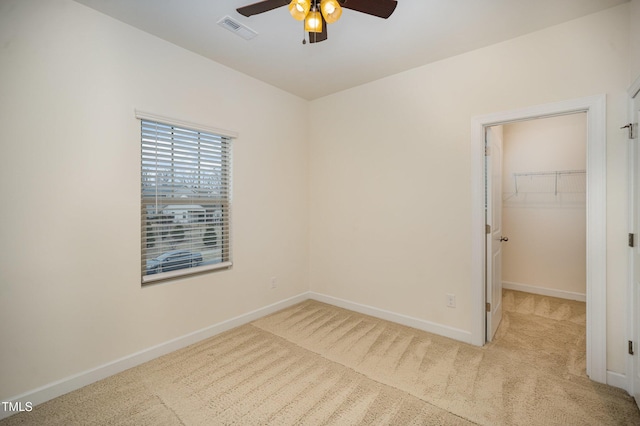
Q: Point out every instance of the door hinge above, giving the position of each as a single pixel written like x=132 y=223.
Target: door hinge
x=632 y=128
x=630 y=347
x=631 y=240
x=488 y=307
x=487 y=229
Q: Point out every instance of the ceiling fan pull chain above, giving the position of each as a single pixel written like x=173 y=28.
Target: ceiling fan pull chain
x=304 y=33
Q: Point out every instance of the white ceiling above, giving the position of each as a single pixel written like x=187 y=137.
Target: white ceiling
x=360 y=48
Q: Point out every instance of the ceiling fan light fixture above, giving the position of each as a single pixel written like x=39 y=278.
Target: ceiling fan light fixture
x=313 y=22
x=331 y=10
x=299 y=9
x=316 y=13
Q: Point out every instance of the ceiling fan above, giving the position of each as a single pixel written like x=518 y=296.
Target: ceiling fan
x=317 y=13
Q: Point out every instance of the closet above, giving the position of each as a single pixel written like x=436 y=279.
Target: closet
x=544 y=206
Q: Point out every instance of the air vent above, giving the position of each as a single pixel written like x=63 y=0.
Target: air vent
x=237 y=28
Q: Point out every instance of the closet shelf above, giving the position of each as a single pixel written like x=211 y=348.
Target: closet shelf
x=552 y=182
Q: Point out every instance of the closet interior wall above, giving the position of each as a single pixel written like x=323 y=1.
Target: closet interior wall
x=544 y=199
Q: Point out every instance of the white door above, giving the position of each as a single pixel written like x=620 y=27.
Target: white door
x=494 y=237
x=636 y=252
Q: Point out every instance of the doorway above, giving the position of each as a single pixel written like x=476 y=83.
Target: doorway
x=544 y=206
x=536 y=212
x=594 y=107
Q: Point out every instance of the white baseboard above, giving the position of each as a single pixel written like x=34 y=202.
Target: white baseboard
x=68 y=384
x=617 y=380
x=544 y=291
x=420 y=324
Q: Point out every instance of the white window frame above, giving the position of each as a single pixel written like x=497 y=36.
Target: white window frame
x=224 y=239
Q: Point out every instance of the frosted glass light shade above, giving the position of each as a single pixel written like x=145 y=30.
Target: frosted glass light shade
x=299 y=8
x=331 y=10
x=313 y=22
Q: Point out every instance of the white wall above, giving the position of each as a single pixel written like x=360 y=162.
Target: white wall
x=547 y=231
x=634 y=51
x=390 y=178
x=70 y=294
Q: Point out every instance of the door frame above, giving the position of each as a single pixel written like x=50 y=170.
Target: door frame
x=633 y=91
x=595 y=108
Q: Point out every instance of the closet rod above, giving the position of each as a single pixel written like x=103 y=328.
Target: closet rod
x=556 y=173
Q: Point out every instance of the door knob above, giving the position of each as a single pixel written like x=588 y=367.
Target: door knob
x=504 y=239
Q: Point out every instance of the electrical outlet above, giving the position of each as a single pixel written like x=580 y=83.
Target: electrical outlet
x=274 y=282
x=451 y=300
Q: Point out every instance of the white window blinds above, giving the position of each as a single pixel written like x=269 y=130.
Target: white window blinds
x=186 y=201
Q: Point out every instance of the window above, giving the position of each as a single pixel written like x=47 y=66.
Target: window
x=186 y=199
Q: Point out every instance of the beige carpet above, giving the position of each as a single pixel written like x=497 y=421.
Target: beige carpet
x=317 y=364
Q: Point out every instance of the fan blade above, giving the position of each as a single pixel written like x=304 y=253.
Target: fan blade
x=379 y=8
x=318 y=37
x=261 y=6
